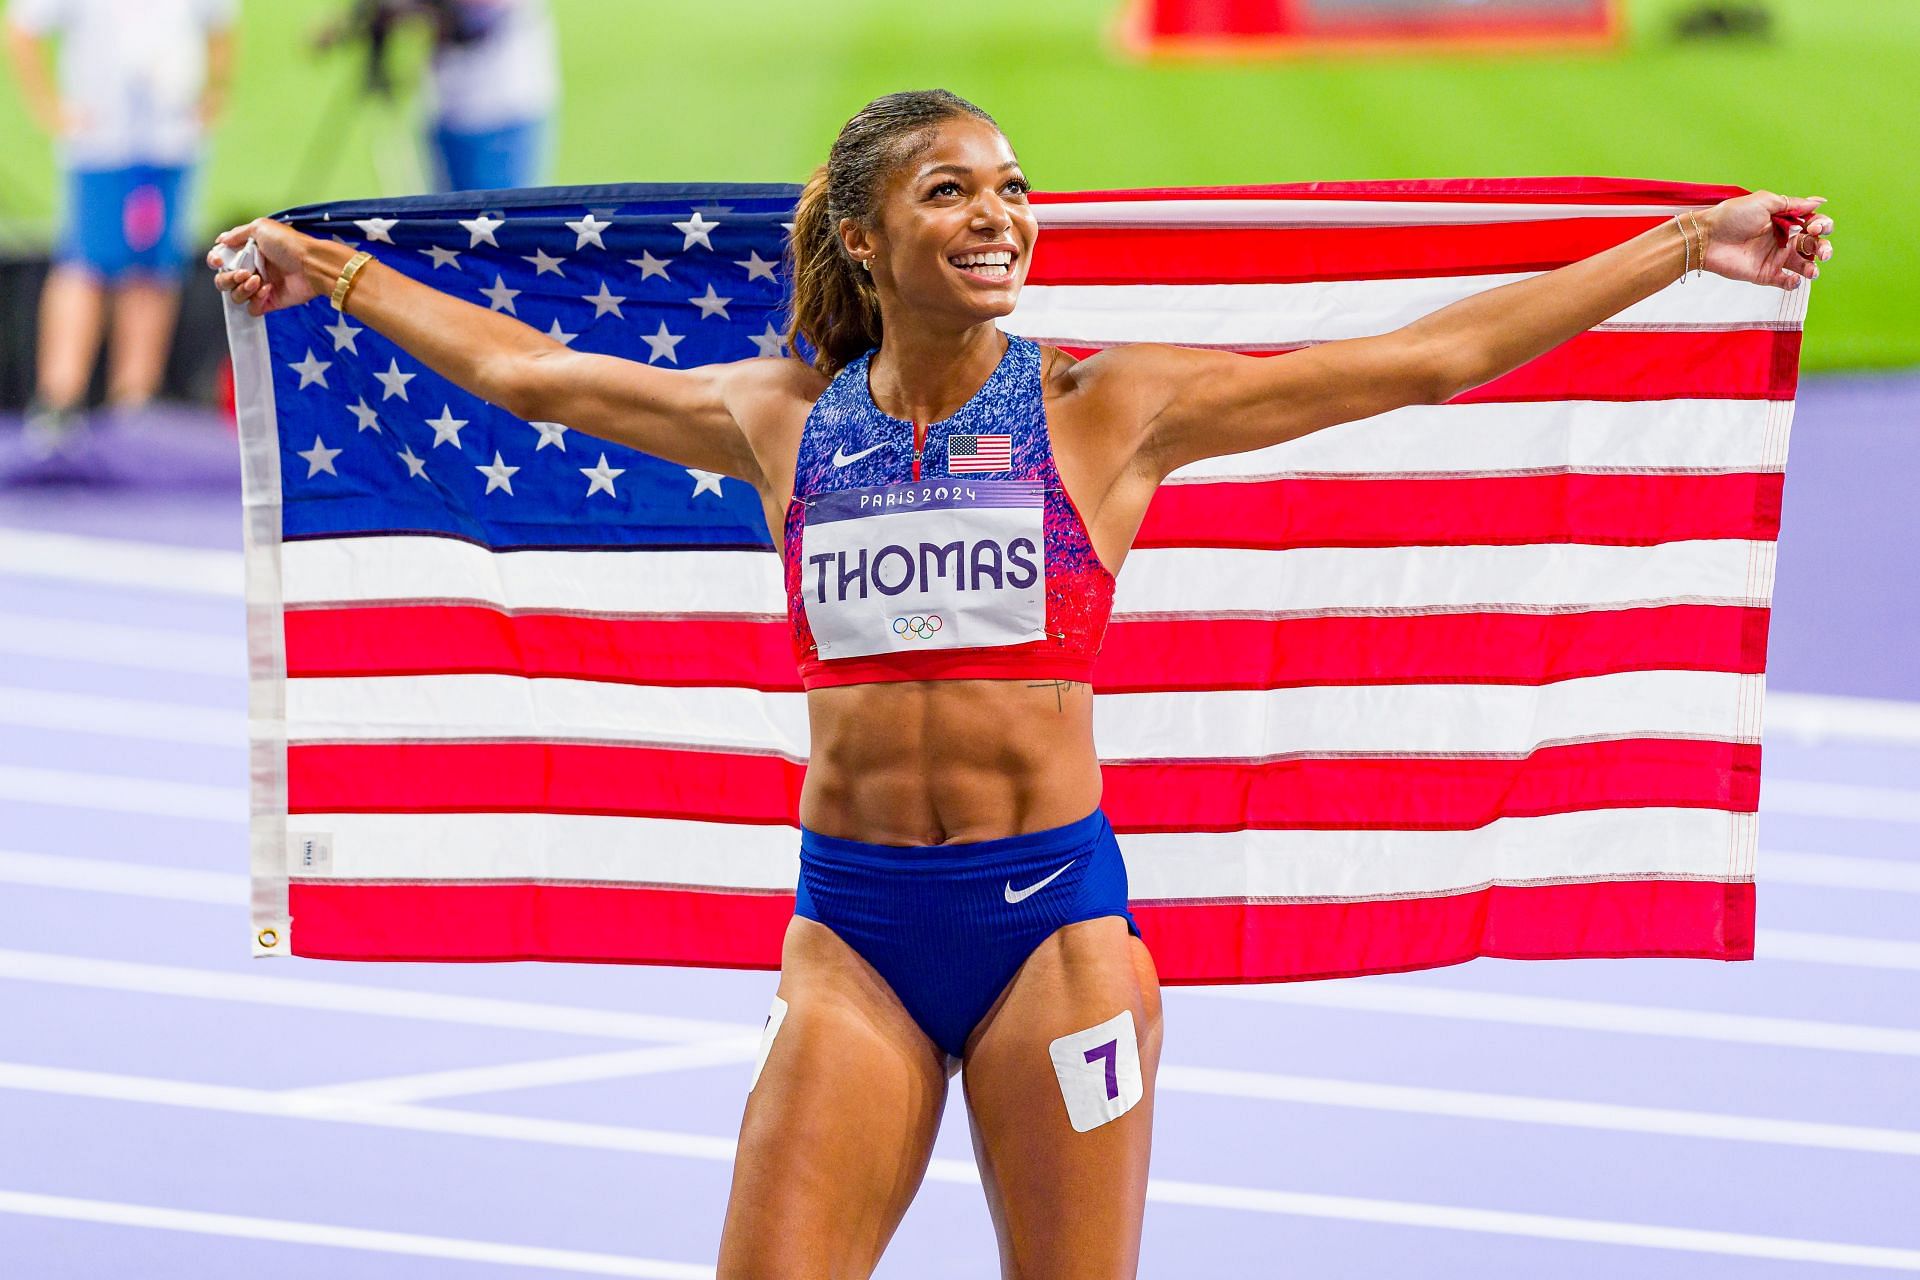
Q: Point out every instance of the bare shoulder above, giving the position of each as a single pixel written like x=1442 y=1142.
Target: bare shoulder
x=770 y=397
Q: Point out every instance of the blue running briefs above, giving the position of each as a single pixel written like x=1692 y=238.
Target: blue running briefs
x=947 y=926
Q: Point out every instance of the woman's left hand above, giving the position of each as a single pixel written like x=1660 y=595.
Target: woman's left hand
x=1744 y=243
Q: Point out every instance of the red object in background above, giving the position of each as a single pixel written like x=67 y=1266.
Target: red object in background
x=1278 y=28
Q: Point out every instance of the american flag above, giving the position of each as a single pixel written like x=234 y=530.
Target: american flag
x=970 y=455
x=1481 y=678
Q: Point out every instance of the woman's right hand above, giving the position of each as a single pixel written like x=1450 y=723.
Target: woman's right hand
x=281 y=280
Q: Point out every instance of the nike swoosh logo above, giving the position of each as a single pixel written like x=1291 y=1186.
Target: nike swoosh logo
x=1021 y=895
x=842 y=458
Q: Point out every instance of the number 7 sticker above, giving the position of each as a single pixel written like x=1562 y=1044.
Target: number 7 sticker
x=1099 y=1071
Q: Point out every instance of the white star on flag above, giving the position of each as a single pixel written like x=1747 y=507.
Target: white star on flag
x=696 y=228
x=769 y=343
x=319 y=458
x=587 y=232
x=377 y=228
x=369 y=420
x=601 y=477
x=310 y=370
x=662 y=344
x=500 y=298
x=499 y=475
x=442 y=257
x=710 y=303
x=604 y=301
x=544 y=262
x=481 y=228
x=560 y=335
x=416 y=466
x=446 y=427
x=650 y=265
x=758 y=268
x=343 y=336
x=551 y=433
x=393 y=382
x=705 y=482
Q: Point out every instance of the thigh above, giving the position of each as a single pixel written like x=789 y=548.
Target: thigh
x=840 y=1125
x=1067 y=1185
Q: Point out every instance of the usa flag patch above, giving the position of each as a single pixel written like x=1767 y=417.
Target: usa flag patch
x=972 y=454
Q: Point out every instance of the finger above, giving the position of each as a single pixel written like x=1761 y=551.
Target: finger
x=1822 y=225
x=236 y=237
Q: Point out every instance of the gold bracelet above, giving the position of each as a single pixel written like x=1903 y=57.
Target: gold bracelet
x=1686 y=246
x=344 y=285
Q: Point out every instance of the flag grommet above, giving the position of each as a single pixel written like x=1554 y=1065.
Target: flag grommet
x=268 y=938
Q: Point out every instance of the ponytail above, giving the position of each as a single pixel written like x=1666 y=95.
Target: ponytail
x=834 y=303
x=836 y=307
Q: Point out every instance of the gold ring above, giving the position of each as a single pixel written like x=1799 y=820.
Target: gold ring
x=1800 y=245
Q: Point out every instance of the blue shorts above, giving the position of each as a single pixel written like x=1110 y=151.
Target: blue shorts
x=490 y=159
x=126 y=221
x=947 y=926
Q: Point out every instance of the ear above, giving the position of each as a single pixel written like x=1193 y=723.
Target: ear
x=858 y=241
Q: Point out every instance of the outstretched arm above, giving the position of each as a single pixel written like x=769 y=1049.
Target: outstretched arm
x=687 y=416
x=1203 y=404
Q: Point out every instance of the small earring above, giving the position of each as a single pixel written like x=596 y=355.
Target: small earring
x=867 y=263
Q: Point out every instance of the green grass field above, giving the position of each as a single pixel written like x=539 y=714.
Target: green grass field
x=754 y=90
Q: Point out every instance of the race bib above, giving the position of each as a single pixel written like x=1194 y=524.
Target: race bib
x=930 y=565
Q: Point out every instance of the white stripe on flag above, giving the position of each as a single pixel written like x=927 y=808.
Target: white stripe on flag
x=1258 y=315
x=1326 y=865
x=1220 y=724
x=1283 y=212
x=1155 y=580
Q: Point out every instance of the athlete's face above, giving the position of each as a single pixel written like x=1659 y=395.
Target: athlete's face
x=955 y=229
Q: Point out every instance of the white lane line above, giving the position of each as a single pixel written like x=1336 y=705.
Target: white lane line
x=621 y=1064
x=228 y=1098
x=1839 y=800
x=121 y=562
x=1839 y=871
x=1372 y=995
x=1521 y=1109
x=1837 y=949
x=730 y=1041
x=114 y=644
x=1818 y=717
x=283 y=1231
x=346 y=997
x=183 y=722
x=131 y=879
x=114 y=793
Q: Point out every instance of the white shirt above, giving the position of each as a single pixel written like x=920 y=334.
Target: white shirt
x=507 y=77
x=132 y=71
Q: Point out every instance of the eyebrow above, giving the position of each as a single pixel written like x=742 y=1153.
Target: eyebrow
x=962 y=170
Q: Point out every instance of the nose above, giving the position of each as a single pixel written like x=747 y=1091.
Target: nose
x=990 y=212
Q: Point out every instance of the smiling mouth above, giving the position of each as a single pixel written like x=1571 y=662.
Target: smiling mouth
x=996 y=265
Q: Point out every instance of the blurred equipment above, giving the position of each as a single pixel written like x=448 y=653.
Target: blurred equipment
x=1722 y=21
x=1280 y=28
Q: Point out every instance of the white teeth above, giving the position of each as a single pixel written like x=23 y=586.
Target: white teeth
x=999 y=257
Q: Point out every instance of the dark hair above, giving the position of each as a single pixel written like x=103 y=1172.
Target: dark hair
x=834 y=303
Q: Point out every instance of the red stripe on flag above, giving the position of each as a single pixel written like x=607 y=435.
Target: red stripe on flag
x=1611 y=510
x=1139 y=655
x=1292 y=255
x=1307 y=793
x=1737 y=364
x=1210 y=942
x=1548 y=190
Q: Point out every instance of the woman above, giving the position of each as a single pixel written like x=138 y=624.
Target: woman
x=961 y=895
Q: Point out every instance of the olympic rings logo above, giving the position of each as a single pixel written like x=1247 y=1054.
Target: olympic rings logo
x=919 y=626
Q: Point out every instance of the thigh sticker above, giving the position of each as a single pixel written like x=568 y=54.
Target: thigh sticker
x=775 y=1016
x=1099 y=1071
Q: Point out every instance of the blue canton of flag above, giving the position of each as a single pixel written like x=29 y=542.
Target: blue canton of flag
x=372 y=441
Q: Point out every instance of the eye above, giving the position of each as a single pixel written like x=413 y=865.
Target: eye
x=948 y=185
x=1019 y=185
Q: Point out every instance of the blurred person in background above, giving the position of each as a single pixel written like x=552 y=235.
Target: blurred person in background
x=139 y=81
x=495 y=80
